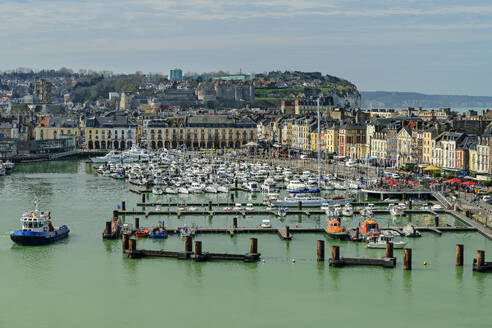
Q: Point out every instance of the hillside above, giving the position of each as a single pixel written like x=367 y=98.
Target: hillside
x=384 y=99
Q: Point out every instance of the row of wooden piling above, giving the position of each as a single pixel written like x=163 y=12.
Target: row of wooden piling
x=479 y=263
x=129 y=247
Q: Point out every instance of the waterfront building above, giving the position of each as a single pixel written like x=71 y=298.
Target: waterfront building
x=379 y=146
x=56 y=128
x=301 y=133
x=110 y=132
x=331 y=138
x=201 y=131
x=352 y=141
x=406 y=147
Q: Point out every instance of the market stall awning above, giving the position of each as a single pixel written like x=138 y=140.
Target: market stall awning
x=432 y=168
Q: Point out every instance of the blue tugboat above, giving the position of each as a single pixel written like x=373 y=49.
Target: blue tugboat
x=37 y=229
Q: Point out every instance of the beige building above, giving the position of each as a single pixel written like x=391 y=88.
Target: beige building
x=201 y=131
x=55 y=128
x=112 y=132
x=379 y=146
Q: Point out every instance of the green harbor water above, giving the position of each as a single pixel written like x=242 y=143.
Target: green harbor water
x=84 y=281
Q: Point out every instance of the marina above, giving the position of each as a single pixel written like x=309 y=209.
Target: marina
x=288 y=255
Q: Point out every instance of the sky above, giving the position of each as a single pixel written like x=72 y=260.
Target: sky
x=431 y=46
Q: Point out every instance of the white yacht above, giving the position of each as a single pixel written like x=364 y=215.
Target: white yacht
x=196 y=188
x=157 y=190
x=252 y=186
x=347 y=210
x=210 y=189
x=222 y=188
x=385 y=237
x=305 y=200
x=137 y=154
x=296 y=185
x=111 y=157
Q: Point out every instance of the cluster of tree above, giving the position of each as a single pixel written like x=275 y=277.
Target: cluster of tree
x=96 y=87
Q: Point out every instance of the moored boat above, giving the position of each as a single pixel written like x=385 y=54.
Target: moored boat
x=384 y=238
x=142 y=232
x=369 y=229
x=159 y=232
x=335 y=229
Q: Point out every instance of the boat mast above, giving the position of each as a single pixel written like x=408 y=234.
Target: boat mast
x=319 y=149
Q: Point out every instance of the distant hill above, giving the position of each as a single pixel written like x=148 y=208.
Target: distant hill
x=384 y=99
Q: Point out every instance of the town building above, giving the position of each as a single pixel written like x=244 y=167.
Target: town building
x=110 y=132
x=176 y=74
x=201 y=131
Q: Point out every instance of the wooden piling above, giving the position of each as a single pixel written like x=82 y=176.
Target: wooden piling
x=407 y=259
x=137 y=223
x=132 y=245
x=234 y=222
x=389 y=250
x=209 y=205
x=480 y=258
x=115 y=214
x=335 y=253
x=320 y=250
x=198 y=248
x=253 y=246
x=287 y=231
x=235 y=183
x=299 y=205
x=143 y=197
x=124 y=242
x=232 y=198
x=123 y=205
x=188 y=244
x=436 y=221
x=459 y=254
x=108 y=229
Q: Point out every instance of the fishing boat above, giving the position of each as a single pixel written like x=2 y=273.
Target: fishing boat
x=159 y=231
x=157 y=190
x=396 y=210
x=185 y=231
x=368 y=211
x=142 y=232
x=335 y=230
x=369 y=229
x=347 y=210
x=265 y=224
x=384 y=238
x=37 y=229
x=9 y=166
x=282 y=212
x=410 y=231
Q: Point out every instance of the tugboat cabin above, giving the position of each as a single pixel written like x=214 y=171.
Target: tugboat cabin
x=36 y=222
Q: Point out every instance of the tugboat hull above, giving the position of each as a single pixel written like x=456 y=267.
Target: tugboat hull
x=32 y=238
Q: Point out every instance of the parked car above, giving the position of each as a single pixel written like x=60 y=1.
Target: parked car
x=395 y=175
